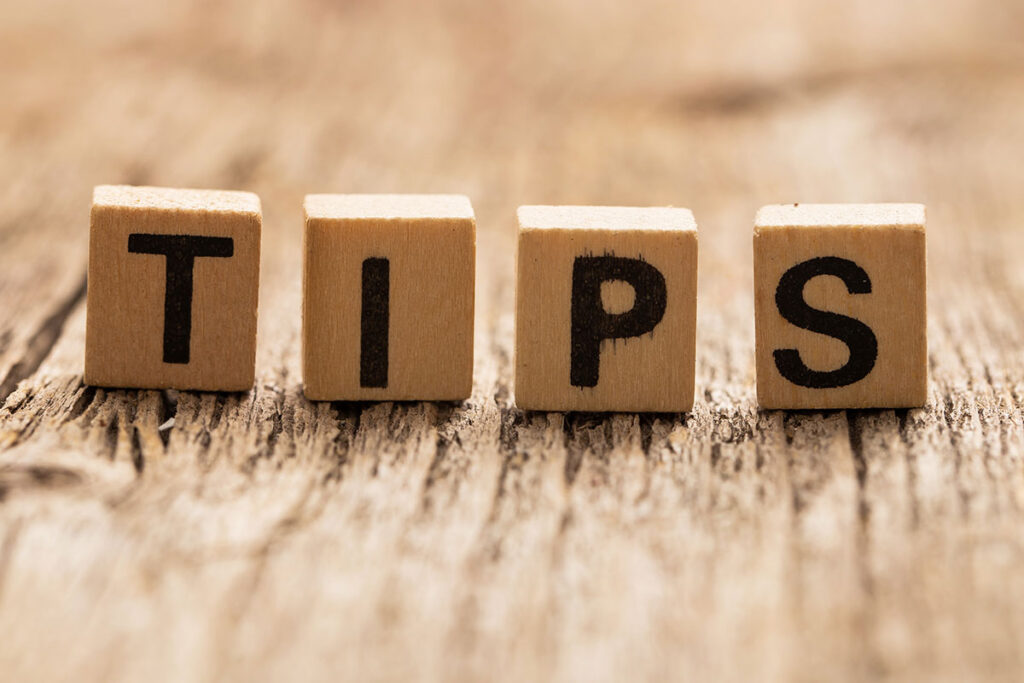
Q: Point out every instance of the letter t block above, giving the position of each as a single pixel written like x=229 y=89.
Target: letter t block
x=840 y=308
x=173 y=288
x=606 y=306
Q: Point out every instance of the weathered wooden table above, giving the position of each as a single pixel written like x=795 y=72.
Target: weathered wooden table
x=263 y=537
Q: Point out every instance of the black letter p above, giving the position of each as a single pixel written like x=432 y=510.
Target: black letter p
x=591 y=324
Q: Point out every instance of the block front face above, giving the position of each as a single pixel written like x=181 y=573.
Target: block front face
x=388 y=294
x=840 y=306
x=606 y=304
x=173 y=289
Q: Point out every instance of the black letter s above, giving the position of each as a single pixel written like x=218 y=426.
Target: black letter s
x=789 y=297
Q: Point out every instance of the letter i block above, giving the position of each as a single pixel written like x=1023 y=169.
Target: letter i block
x=840 y=306
x=387 y=301
x=173 y=288
x=606 y=306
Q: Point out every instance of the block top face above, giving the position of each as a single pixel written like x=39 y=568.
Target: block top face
x=388 y=206
x=909 y=216
x=170 y=199
x=605 y=218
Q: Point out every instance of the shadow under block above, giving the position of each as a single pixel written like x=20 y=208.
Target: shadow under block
x=840 y=306
x=173 y=289
x=606 y=305
x=387 y=300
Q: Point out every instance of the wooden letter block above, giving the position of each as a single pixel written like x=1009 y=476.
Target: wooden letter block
x=387 y=300
x=840 y=306
x=606 y=306
x=173 y=287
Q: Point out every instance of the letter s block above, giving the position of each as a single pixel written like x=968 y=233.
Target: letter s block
x=840 y=306
x=387 y=300
x=173 y=289
x=606 y=305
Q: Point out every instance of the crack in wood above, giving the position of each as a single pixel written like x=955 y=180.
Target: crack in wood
x=41 y=342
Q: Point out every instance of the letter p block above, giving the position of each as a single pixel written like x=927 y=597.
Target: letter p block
x=840 y=306
x=606 y=305
x=173 y=288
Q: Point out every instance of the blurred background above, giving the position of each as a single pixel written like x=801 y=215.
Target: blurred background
x=720 y=106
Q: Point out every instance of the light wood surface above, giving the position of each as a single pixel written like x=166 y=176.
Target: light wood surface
x=606 y=308
x=840 y=306
x=264 y=537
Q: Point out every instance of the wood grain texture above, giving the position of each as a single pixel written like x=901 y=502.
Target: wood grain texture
x=260 y=536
